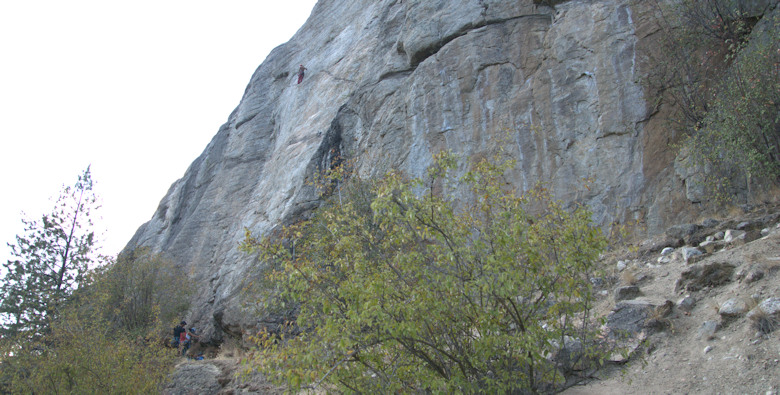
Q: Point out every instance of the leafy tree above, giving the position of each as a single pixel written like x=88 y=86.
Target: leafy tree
x=141 y=288
x=50 y=261
x=402 y=289
x=109 y=336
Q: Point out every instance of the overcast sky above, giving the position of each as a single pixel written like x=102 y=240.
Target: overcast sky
x=136 y=89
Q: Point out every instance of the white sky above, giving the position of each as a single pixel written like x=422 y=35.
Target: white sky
x=135 y=88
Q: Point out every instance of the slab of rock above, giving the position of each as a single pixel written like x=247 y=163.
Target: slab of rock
x=628 y=318
x=697 y=277
x=626 y=292
x=710 y=223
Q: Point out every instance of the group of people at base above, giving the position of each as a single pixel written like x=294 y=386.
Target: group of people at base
x=183 y=338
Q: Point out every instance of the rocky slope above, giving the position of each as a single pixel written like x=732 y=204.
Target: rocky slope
x=707 y=311
x=390 y=82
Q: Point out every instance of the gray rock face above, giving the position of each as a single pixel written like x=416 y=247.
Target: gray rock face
x=390 y=83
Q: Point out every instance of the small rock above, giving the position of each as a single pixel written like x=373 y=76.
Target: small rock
x=733 y=236
x=621 y=265
x=719 y=235
x=666 y=251
x=707 y=349
x=707 y=330
x=743 y=225
x=754 y=276
x=710 y=223
x=662 y=260
x=686 y=304
x=711 y=246
x=689 y=252
x=733 y=307
x=765 y=232
x=626 y=292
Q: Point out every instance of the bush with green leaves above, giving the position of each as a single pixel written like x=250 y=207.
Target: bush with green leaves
x=403 y=289
x=142 y=288
x=110 y=336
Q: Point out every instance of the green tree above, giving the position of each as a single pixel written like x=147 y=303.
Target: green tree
x=402 y=289
x=109 y=336
x=141 y=289
x=49 y=261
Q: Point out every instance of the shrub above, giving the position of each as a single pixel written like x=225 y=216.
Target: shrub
x=106 y=338
x=720 y=72
x=402 y=289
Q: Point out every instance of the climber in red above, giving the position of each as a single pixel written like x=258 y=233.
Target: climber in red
x=300 y=73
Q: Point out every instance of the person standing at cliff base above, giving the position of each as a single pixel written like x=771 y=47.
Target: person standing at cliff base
x=177 y=331
x=301 y=71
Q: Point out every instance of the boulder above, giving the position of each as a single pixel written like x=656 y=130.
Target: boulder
x=733 y=307
x=698 y=277
x=627 y=319
x=626 y=292
x=689 y=254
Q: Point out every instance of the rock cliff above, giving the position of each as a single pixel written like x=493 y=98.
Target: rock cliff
x=389 y=83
